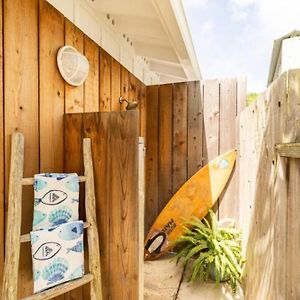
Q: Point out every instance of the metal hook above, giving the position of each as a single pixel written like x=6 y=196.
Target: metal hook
x=130 y=105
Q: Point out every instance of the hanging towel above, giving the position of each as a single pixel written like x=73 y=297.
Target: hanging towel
x=56 y=199
x=57 y=255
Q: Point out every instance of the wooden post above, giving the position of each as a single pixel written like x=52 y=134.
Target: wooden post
x=90 y=208
x=13 y=232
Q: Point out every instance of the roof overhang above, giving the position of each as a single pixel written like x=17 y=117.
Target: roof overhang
x=155 y=31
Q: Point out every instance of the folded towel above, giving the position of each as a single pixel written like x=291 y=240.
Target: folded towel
x=57 y=255
x=56 y=199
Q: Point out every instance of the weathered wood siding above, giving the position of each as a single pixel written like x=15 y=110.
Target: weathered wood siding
x=34 y=99
x=189 y=124
x=269 y=191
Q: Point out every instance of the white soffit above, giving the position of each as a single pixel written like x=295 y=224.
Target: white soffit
x=149 y=37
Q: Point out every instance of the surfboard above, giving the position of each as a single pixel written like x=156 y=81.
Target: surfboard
x=195 y=197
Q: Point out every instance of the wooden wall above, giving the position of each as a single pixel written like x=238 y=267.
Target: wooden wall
x=269 y=191
x=189 y=124
x=34 y=98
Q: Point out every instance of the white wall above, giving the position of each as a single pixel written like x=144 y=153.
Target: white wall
x=290 y=54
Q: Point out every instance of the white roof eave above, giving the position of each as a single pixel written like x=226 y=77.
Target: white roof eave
x=172 y=16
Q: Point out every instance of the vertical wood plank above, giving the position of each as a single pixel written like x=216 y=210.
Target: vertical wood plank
x=96 y=127
x=278 y=94
x=2 y=164
x=74 y=95
x=179 y=135
x=21 y=105
x=195 y=128
x=228 y=202
x=124 y=86
x=291 y=133
x=51 y=89
x=165 y=138
x=151 y=157
x=241 y=94
x=143 y=113
x=91 y=85
x=52 y=104
x=132 y=88
x=211 y=119
x=115 y=85
x=105 y=81
x=73 y=162
x=293 y=227
x=124 y=203
x=141 y=209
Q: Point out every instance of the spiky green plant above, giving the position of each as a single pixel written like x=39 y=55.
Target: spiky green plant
x=211 y=250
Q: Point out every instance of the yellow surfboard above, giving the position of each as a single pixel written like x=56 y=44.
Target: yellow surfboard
x=194 y=198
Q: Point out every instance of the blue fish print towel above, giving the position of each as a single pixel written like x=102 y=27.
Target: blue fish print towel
x=57 y=255
x=56 y=199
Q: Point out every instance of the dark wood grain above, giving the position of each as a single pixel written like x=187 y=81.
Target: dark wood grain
x=124 y=248
x=180 y=141
x=165 y=145
x=151 y=206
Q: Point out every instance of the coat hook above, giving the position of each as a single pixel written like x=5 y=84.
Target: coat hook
x=130 y=105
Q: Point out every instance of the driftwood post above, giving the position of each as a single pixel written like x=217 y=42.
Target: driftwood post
x=13 y=231
x=90 y=208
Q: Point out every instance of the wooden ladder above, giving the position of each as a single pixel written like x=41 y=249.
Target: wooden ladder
x=14 y=237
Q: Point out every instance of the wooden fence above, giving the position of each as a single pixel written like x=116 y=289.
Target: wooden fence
x=269 y=191
x=188 y=124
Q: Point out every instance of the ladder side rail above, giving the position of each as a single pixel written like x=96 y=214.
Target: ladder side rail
x=14 y=215
x=92 y=232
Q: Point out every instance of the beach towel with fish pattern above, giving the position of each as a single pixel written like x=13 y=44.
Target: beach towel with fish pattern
x=57 y=255
x=56 y=199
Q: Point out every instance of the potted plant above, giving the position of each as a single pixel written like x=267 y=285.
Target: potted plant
x=212 y=251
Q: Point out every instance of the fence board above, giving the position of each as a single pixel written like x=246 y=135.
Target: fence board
x=52 y=95
x=195 y=127
x=293 y=227
x=115 y=85
x=124 y=86
x=179 y=170
x=165 y=137
x=241 y=94
x=229 y=202
x=21 y=105
x=73 y=163
x=211 y=119
x=105 y=83
x=151 y=157
x=51 y=89
x=91 y=86
x=2 y=163
x=74 y=95
x=143 y=112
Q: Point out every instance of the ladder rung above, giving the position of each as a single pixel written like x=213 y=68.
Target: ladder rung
x=30 y=180
x=61 y=289
x=26 y=237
